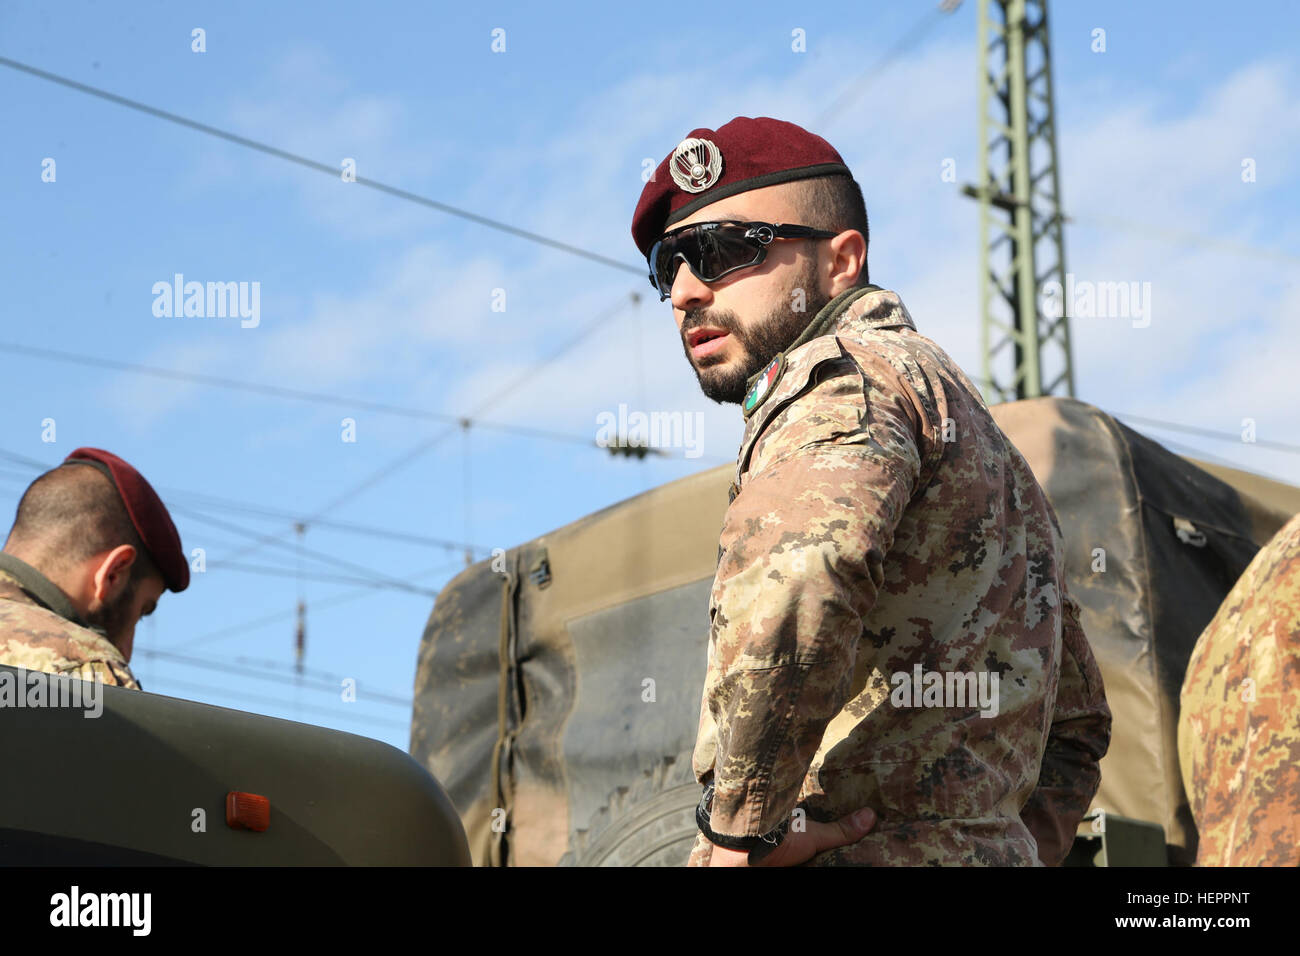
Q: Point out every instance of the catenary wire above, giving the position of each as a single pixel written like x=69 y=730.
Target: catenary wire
x=276 y=617
x=202 y=499
x=406 y=458
x=226 y=668
x=859 y=85
x=289 y=393
x=332 y=171
x=377 y=576
x=1210 y=433
x=261 y=569
x=276 y=701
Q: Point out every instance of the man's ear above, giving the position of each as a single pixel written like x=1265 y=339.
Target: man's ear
x=113 y=573
x=848 y=257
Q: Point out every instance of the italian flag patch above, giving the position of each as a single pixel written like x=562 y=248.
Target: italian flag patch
x=766 y=382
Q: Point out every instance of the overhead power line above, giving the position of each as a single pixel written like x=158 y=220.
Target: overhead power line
x=463 y=423
x=405 y=459
x=24 y=477
x=1202 y=456
x=582 y=335
x=202 y=500
x=290 y=393
x=331 y=683
x=24 y=460
x=859 y=85
x=275 y=617
x=261 y=570
x=1211 y=433
x=280 y=666
x=331 y=170
x=228 y=504
x=376 y=576
x=341 y=716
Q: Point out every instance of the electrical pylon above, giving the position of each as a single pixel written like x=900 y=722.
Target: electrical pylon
x=1022 y=246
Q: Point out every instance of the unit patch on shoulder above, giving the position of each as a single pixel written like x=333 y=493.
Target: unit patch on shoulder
x=766 y=382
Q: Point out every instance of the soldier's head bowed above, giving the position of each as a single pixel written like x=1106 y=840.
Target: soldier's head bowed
x=770 y=225
x=98 y=531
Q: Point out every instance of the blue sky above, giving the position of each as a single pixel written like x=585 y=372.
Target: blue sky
x=372 y=299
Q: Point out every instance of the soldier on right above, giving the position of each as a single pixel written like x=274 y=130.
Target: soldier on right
x=887 y=556
x=1239 y=728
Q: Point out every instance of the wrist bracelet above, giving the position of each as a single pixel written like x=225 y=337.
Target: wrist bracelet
x=768 y=841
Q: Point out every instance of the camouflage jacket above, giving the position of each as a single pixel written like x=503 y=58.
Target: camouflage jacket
x=886 y=555
x=40 y=630
x=1239 y=723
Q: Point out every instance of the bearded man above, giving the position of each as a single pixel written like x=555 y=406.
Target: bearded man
x=891 y=633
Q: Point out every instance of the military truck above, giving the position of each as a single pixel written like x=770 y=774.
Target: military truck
x=131 y=778
x=558 y=688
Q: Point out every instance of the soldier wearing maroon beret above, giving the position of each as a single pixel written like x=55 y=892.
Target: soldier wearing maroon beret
x=91 y=550
x=891 y=633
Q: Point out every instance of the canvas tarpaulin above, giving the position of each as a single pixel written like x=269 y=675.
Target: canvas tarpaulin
x=573 y=664
x=531 y=700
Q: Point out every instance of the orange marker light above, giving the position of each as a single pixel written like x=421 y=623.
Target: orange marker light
x=247 y=811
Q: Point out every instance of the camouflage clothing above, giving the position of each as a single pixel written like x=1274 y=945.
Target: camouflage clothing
x=1239 y=728
x=40 y=630
x=882 y=524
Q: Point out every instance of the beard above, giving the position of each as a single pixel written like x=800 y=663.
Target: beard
x=726 y=382
x=111 y=617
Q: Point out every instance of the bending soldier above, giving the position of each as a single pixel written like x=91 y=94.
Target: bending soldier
x=91 y=550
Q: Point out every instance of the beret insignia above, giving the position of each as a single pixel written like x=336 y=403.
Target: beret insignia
x=696 y=164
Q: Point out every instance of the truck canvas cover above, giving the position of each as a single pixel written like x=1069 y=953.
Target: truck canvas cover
x=573 y=665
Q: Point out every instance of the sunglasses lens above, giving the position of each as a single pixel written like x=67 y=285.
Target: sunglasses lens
x=711 y=250
x=723 y=249
x=663 y=255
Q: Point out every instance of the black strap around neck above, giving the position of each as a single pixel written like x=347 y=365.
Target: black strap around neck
x=44 y=591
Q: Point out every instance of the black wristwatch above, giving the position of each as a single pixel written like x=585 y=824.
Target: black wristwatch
x=766 y=843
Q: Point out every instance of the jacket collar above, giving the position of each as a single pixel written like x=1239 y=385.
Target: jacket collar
x=863 y=309
x=852 y=311
x=40 y=588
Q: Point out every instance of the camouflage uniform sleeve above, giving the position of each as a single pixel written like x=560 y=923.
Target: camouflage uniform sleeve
x=803 y=546
x=1239 y=722
x=1080 y=734
x=106 y=672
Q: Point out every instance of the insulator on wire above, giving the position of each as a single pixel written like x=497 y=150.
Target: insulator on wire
x=300 y=639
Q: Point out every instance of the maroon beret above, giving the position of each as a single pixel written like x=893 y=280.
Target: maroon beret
x=708 y=165
x=147 y=513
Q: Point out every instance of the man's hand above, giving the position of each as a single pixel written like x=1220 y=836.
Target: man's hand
x=798 y=848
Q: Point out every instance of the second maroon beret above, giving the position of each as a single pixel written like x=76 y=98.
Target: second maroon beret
x=147 y=513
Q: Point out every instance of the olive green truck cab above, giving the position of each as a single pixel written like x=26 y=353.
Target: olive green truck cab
x=100 y=775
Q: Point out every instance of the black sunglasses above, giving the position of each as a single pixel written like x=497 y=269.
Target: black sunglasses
x=715 y=249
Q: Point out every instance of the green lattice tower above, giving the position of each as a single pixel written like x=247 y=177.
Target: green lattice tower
x=1022 y=246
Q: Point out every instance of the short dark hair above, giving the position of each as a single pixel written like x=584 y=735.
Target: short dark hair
x=834 y=203
x=72 y=513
